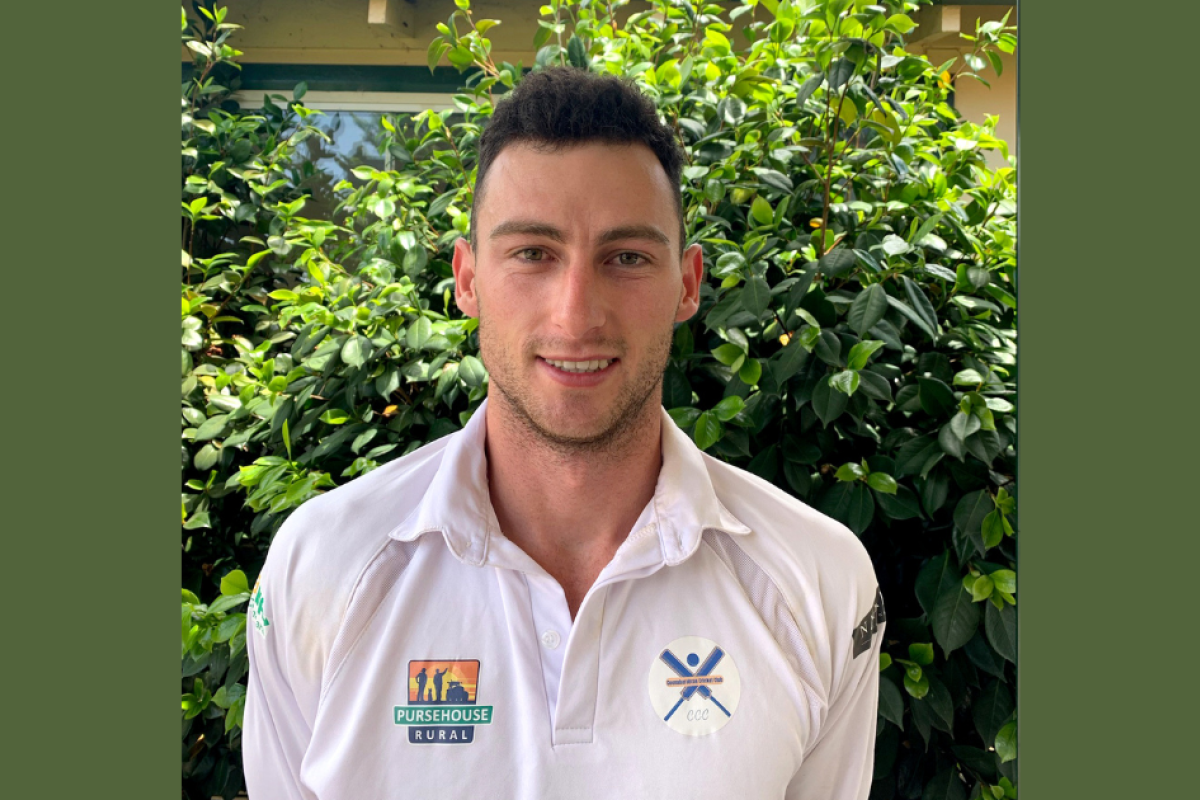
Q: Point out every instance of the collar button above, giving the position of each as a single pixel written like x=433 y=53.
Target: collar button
x=551 y=640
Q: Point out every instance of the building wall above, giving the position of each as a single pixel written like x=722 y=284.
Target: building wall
x=340 y=32
x=938 y=37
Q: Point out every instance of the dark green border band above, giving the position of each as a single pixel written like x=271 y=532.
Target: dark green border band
x=91 y=559
x=1108 y=307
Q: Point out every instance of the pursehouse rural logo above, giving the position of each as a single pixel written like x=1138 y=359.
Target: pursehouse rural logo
x=258 y=608
x=441 y=702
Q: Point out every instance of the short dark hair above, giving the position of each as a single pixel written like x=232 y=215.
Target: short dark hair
x=558 y=107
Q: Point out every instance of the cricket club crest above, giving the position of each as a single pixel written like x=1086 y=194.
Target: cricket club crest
x=694 y=686
x=441 y=702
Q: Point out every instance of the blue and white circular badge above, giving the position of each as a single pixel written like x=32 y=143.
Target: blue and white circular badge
x=694 y=686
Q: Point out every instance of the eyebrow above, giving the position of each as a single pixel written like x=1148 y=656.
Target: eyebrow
x=620 y=233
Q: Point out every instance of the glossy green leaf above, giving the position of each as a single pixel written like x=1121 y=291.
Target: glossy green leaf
x=945 y=785
x=756 y=296
x=837 y=263
x=900 y=23
x=850 y=504
x=1006 y=743
x=708 y=430
x=355 y=351
x=1001 y=628
x=761 y=211
x=861 y=353
x=920 y=302
x=684 y=417
x=730 y=355
x=829 y=348
x=840 y=71
x=971 y=510
x=234 y=583
x=867 y=309
x=829 y=403
x=1005 y=580
x=790 y=360
x=992 y=529
x=577 y=53
x=921 y=653
x=472 y=372
x=918 y=688
x=981 y=588
x=728 y=408
x=751 y=372
x=213 y=428
x=992 y=709
x=845 y=381
x=419 y=333
x=953 y=616
x=901 y=505
x=437 y=48
x=850 y=472
x=882 y=483
x=937 y=399
x=891 y=703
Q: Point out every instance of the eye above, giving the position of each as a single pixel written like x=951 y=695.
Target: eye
x=531 y=254
x=631 y=259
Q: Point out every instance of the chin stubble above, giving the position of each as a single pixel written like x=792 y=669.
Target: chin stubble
x=629 y=413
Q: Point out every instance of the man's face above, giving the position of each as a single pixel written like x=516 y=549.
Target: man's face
x=577 y=282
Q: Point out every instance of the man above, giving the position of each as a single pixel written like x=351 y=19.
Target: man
x=637 y=619
x=437 y=685
x=421 y=677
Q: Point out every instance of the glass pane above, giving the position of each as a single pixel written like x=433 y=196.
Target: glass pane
x=354 y=142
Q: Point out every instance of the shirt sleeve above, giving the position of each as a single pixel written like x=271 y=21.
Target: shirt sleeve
x=840 y=763
x=276 y=729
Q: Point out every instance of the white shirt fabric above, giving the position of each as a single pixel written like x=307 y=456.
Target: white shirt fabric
x=407 y=564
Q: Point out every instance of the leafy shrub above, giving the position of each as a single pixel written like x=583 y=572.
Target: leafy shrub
x=855 y=343
x=214 y=649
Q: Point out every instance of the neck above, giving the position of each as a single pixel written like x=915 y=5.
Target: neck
x=570 y=510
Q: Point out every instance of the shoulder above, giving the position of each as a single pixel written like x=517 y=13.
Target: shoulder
x=319 y=553
x=804 y=544
x=331 y=533
x=816 y=563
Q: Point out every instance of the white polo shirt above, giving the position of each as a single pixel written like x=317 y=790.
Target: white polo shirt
x=401 y=646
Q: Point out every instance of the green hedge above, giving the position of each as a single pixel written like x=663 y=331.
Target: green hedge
x=855 y=344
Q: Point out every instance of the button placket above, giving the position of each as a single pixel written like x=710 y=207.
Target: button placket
x=575 y=713
x=552 y=624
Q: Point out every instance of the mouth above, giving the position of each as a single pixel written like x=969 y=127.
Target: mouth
x=580 y=366
x=579 y=373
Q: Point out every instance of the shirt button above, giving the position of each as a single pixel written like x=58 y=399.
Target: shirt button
x=551 y=639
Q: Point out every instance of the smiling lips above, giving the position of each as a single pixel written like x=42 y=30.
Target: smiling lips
x=579 y=373
x=594 y=365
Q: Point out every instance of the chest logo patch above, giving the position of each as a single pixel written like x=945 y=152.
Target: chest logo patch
x=441 y=705
x=694 y=686
x=258 y=608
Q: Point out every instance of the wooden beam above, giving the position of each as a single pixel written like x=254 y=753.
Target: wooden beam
x=390 y=13
x=942 y=26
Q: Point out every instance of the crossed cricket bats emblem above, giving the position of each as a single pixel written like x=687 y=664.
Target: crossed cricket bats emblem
x=693 y=682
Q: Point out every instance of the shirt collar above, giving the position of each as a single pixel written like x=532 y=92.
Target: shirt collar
x=457 y=503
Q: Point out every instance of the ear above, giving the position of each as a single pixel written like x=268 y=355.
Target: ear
x=464 y=278
x=693 y=275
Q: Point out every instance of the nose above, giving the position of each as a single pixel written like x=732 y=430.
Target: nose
x=579 y=305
